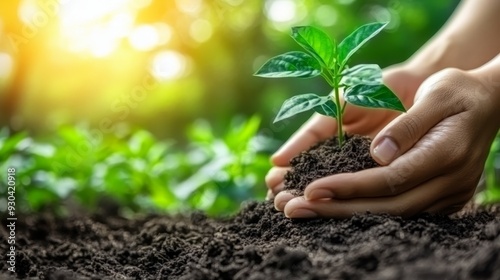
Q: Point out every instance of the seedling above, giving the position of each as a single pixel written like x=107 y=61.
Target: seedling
x=362 y=84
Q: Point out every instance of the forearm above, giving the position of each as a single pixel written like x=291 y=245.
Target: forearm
x=489 y=75
x=469 y=39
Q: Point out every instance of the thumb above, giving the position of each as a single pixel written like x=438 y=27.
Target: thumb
x=318 y=128
x=405 y=131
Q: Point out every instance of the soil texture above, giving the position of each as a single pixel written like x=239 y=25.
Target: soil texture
x=258 y=243
x=327 y=158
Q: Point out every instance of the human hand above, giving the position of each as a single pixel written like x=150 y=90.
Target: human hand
x=401 y=79
x=433 y=156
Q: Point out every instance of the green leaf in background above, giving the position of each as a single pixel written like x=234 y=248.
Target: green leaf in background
x=373 y=97
x=491 y=194
x=328 y=109
x=291 y=64
x=316 y=42
x=352 y=43
x=241 y=133
x=363 y=74
x=299 y=104
x=9 y=144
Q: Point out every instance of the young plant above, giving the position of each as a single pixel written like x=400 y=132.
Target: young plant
x=361 y=84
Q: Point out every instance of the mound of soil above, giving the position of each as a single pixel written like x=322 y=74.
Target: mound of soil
x=327 y=158
x=259 y=243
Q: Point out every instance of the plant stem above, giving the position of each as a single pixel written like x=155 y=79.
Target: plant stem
x=340 y=109
x=340 y=131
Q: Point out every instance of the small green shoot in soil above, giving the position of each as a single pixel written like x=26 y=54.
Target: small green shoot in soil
x=362 y=84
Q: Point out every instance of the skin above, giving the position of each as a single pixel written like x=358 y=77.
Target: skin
x=433 y=155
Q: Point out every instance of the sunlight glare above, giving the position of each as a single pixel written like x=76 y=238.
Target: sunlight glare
x=27 y=10
x=102 y=44
x=94 y=26
x=281 y=10
x=139 y=4
x=6 y=65
x=77 y=13
x=144 y=37
x=169 y=65
x=121 y=24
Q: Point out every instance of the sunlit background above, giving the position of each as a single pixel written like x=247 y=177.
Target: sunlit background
x=69 y=61
x=152 y=103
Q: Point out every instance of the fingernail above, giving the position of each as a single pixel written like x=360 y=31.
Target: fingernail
x=303 y=213
x=280 y=206
x=318 y=194
x=386 y=151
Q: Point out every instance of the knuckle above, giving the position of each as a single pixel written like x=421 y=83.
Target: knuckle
x=444 y=87
x=411 y=127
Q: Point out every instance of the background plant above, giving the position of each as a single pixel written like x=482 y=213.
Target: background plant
x=56 y=81
x=362 y=84
x=135 y=172
x=53 y=81
x=491 y=193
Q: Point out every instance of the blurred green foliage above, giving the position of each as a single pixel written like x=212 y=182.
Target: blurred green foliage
x=136 y=171
x=46 y=85
x=62 y=87
x=491 y=194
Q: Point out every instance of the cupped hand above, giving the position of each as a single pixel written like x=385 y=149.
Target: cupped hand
x=432 y=156
x=402 y=80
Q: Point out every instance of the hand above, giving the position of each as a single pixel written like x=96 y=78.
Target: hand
x=401 y=79
x=433 y=156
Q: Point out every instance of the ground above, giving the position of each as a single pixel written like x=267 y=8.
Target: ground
x=259 y=243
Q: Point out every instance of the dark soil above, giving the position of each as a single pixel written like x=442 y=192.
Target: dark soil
x=327 y=158
x=260 y=243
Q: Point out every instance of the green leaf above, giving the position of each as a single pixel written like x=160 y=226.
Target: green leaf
x=363 y=74
x=373 y=97
x=291 y=64
x=357 y=39
x=315 y=42
x=299 y=104
x=328 y=109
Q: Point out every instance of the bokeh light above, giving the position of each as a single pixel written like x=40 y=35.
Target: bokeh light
x=193 y=7
x=6 y=65
x=63 y=61
x=144 y=37
x=169 y=65
x=281 y=10
x=326 y=15
x=201 y=30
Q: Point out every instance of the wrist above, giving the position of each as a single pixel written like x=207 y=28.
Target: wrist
x=434 y=57
x=489 y=77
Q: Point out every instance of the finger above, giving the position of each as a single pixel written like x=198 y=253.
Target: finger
x=407 y=129
x=282 y=199
x=274 y=178
x=418 y=165
x=453 y=201
x=449 y=205
x=406 y=204
x=318 y=128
